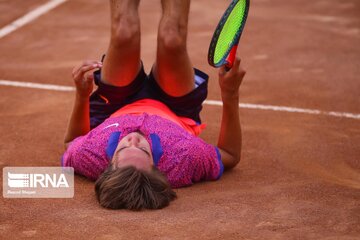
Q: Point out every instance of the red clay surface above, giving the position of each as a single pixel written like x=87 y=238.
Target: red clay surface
x=12 y=10
x=299 y=177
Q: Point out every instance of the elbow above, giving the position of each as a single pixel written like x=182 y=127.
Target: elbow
x=67 y=141
x=232 y=162
x=235 y=161
x=66 y=144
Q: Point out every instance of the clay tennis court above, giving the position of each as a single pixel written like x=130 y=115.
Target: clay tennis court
x=299 y=177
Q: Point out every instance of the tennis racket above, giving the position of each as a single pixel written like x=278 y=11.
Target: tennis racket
x=227 y=34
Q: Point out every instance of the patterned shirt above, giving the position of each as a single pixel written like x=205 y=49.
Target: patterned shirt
x=181 y=156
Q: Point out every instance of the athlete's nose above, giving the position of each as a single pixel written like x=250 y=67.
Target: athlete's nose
x=133 y=139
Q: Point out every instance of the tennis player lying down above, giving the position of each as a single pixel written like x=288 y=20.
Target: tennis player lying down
x=136 y=135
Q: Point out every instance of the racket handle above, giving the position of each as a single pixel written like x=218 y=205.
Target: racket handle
x=231 y=57
x=227 y=67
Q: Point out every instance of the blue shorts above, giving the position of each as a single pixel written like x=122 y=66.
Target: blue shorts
x=108 y=99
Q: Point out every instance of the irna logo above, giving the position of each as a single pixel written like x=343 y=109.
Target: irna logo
x=38 y=182
x=34 y=180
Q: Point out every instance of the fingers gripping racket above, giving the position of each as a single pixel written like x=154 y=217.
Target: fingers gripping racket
x=227 y=34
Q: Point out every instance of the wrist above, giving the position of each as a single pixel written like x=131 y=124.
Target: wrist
x=230 y=101
x=230 y=96
x=81 y=97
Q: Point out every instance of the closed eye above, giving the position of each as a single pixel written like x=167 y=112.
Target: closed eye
x=141 y=148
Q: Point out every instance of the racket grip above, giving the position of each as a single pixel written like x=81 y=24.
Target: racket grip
x=227 y=67
x=231 y=57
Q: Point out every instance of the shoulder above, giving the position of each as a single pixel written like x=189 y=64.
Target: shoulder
x=191 y=160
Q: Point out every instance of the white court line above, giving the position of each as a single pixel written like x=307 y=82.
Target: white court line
x=30 y=16
x=36 y=85
x=289 y=109
x=207 y=102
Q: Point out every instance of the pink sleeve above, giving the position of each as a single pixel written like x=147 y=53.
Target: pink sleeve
x=200 y=162
x=207 y=162
x=87 y=157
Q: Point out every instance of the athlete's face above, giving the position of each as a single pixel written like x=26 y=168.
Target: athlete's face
x=133 y=150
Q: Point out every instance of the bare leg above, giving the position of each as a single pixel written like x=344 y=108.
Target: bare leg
x=122 y=61
x=173 y=69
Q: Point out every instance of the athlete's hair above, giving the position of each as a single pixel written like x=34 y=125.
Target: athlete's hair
x=130 y=188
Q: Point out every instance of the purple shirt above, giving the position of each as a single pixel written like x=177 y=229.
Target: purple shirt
x=182 y=157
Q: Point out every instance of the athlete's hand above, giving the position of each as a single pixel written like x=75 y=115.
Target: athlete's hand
x=83 y=77
x=230 y=81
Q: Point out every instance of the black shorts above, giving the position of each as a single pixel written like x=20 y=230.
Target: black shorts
x=108 y=99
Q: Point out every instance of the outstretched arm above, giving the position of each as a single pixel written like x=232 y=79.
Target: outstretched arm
x=229 y=142
x=79 y=123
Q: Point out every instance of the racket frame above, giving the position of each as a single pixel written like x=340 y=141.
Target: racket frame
x=229 y=56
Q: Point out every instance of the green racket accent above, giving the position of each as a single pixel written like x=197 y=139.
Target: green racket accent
x=230 y=31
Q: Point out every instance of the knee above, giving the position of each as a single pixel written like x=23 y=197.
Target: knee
x=125 y=30
x=172 y=36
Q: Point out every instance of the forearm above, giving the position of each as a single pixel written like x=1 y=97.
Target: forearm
x=79 y=123
x=229 y=142
x=230 y=131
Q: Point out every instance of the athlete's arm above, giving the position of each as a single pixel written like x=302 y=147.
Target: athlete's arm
x=79 y=123
x=229 y=142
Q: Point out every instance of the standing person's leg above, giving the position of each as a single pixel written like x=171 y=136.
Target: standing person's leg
x=122 y=61
x=173 y=69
